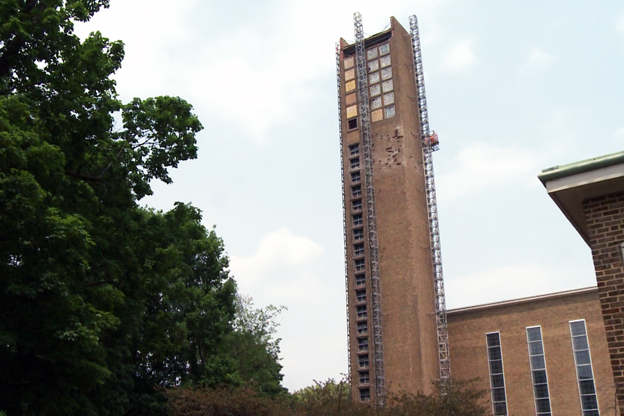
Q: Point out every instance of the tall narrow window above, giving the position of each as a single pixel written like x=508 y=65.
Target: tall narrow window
x=538 y=371
x=363 y=361
x=364 y=395
x=357 y=219
x=357 y=205
x=362 y=344
x=364 y=377
x=354 y=150
x=358 y=234
x=358 y=249
x=354 y=163
x=360 y=265
x=356 y=191
x=361 y=311
x=360 y=279
x=360 y=295
x=355 y=177
x=584 y=371
x=497 y=376
x=362 y=327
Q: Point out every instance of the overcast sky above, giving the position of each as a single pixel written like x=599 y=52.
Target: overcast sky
x=513 y=88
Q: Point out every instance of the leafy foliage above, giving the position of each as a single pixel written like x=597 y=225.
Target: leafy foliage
x=101 y=300
x=253 y=347
x=326 y=399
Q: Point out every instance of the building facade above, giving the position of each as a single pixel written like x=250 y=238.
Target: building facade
x=561 y=353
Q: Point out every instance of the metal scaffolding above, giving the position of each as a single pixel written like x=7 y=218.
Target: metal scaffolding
x=365 y=129
x=344 y=206
x=430 y=145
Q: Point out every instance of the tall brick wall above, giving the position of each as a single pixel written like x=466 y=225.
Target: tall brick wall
x=605 y=222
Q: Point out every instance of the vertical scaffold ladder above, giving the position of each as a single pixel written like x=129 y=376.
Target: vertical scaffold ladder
x=434 y=232
x=344 y=206
x=365 y=129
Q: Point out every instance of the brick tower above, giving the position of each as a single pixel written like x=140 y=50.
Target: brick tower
x=391 y=297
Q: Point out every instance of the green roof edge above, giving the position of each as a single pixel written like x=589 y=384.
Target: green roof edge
x=558 y=172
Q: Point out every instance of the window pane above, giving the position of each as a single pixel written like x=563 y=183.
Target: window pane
x=543 y=405
x=388 y=98
x=539 y=376
x=587 y=387
x=500 y=409
x=589 y=402
x=375 y=90
x=385 y=61
x=497 y=381
x=360 y=279
x=389 y=111
x=494 y=353
x=537 y=362
x=582 y=357
x=496 y=367
x=580 y=343
x=541 y=391
x=373 y=65
x=384 y=49
x=498 y=395
x=376 y=103
x=535 y=348
x=371 y=53
x=386 y=73
x=387 y=86
x=534 y=334
x=577 y=328
x=493 y=340
x=584 y=372
x=373 y=78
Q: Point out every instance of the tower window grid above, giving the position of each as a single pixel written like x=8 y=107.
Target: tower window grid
x=539 y=376
x=497 y=373
x=364 y=377
x=357 y=219
x=584 y=368
x=365 y=395
x=362 y=344
x=360 y=279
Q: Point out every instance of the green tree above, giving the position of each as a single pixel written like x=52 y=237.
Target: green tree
x=100 y=300
x=253 y=347
x=325 y=391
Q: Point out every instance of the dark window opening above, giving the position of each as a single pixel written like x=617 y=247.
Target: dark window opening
x=352 y=123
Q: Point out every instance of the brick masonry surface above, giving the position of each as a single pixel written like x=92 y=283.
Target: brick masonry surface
x=605 y=223
x=467 y=330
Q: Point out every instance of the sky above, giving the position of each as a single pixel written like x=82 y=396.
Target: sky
x=512 y=88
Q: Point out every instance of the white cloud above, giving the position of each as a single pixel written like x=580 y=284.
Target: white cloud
x=280 y=267
x=480 y=166
x=619 y=133
x=537 y=61
x=461 y=56
x=507 y=282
